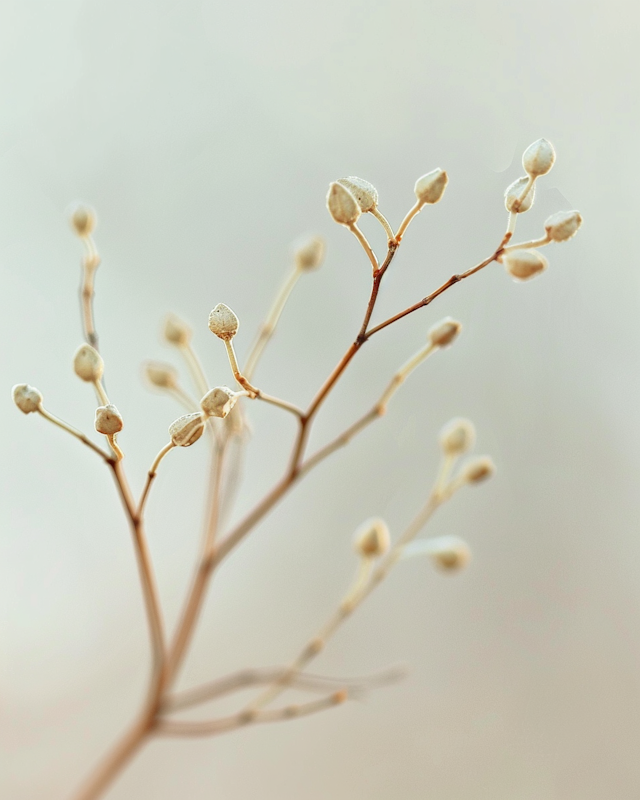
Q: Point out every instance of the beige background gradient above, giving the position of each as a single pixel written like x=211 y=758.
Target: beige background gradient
x=206 y=133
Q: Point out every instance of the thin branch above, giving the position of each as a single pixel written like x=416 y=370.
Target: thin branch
x=384 y=222
x=195 y=367
x=90 y=263
x=355 y=230
x=75 y=432
x=407 y=220
x=153 y=471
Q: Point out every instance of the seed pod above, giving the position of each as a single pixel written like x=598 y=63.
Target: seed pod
x=176 y=331
x=186 y=430
x=444 y=332
x=108 y=420
x=82 y=219
x=478 y=469
x=218 y=402
x=524 y=264
x=430 y=187
x=160 y=374
x=366 y=194
x=513 y=193
x=309 y=254
x=342 y=205
x=457 y=437
x=88 y=364
x=538 y=158
x=563 y=225
x=449 y=553
x=372 y=538
x=223 y=322
x=27 y=398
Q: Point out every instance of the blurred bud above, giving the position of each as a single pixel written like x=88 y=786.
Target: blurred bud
x=159 y=374
x=457 y=437
x=186 y=430
x=444 y=332
x=27 y=398
x=88 y=364
x=372 y=538
x=223 y=322
x=342 y=205
x=108 y=420
x=309 y=254
x=513 y=194
x=430 y=187
x=218 y=402
x=563 y=225
x=478 y=469
x=176 y=331
x=449 y=553
x=366 y=194
x=524 y=264
x=538 y=158
x=82 y=219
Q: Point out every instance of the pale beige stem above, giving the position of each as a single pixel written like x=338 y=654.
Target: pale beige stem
x=407 y=220
x=90 y=263
x=101 y=394
x=153 y=471
x=526 y=245
x=384 y=222
x=194 y=365
x=366 y=246
x=74 y=432
x=184 y=398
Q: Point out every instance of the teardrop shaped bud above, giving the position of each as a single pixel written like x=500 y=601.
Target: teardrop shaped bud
x=176 y=331
x=444 y=332
x=223 y=322
x=159 y=374
x=538 y=158
x=478 y=469
x=457 y=437
x=108 y=420
x=82 y=219
x=309 y=253
x=88 y=364
x=218 y=402
x=449 y=553
x=365 y=193
x=342 y=205
x=563 y=225
x=27 y=398
x=430 y=187
x=524 y=264
x=513 y=194
x=186 y=430
x=372 y=538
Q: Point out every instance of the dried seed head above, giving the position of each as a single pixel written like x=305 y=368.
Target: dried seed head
x=430 y=187
x=218 y=402
x=83 y=219
x=223 y=322
x=478 y=469
x=186 y=430
x=538 y=158
x=372 y=538
x=88 y=364
x=457 y=437
x=342 y=205
x=366 y=194
x=176 y=331
x=449 y=553
x=444 y=332
x=27 y=398
x=108 y=420
x=563 y=225
x=309 y=254
x=514 y=192
x=524 y=264
x=160 y=374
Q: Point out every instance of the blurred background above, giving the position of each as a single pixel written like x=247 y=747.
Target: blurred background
x=205 y=134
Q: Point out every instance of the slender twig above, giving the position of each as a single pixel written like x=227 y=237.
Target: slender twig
x=384 y=222
x=195 y=367
x=74 y=432
x=407 y=220
x=532 y=243
x=153 y=471
x=365 y=245
x=90 y=263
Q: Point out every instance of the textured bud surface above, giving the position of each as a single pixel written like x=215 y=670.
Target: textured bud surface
x=83 y=219
x=159 y=374
x=538 y=158
x=342 y=205
x=309 y=254
x=27 y=398
x=430 y=187
x=563 y=225
x=175 y=330
x=372 y=538
x=218 y=402
x=223 y=322
x=444 y=332
x=479 y=469
x=366 y=194
x=513 y=193
x=108 y=420
x=186 y=430
x=457 y=437
x=524 y=264
x=88 y=364
x=449 y=553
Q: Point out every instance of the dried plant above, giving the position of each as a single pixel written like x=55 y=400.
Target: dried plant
x=219 y=417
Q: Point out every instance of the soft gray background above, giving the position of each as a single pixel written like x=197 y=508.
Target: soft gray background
x=205 y=134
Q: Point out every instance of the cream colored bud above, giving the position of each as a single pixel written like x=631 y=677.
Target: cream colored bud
x=563 y=225
x=27 y=398
x=524 y=264
x=478 y=469
x=444 y=332
x=342 y=205
x=430 y=187
x=457 y=437
x=538 y=158
x=449 y=553
x=372 y=538
x=218 y=402
x=514 y=192
x=366 y=194
x=176 y=331
x=83 y=220
x=88 y=364
x=186 y=430
x=108 y=420
x=223 y=322
x=164 y=376
x=309 y=254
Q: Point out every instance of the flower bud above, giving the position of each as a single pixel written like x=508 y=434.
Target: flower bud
x=563 y=225
x=365 y=194
x=108 y=420
x=176 y=331
x=218 y=402
x=444 y=332
x=449 y=553
x=83 y=220
x=478 y=469
x=430 y=187
x=538 y=158
x=524 y=264
x=309 y=254
x=457 y=437
x=514 y=192
x=88 y=364
x=342 y=205
x=27 y=398
x=164 y=376
x=372 y=538
x=223 y=322
x=186 y=430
